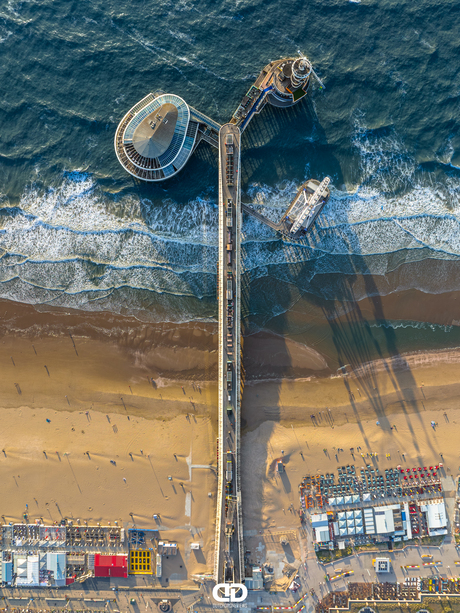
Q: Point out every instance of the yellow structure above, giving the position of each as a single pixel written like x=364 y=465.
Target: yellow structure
x=140 y=562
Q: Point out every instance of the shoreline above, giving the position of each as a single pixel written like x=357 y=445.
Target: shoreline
x=80 y=390
x=309 y=343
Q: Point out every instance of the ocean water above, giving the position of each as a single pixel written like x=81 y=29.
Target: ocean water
x=77 y=231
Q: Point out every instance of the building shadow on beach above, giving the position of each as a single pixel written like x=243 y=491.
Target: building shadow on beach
x=366 y=345
x=364 y=341
x=272 y=147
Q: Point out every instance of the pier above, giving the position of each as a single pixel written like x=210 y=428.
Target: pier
x=302 y=211
x=229 y=550
x=153 y=141
x=282 y=83
x=157 y=136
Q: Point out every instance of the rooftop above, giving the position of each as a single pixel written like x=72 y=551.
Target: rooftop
x=154 y=134
x=156 y=137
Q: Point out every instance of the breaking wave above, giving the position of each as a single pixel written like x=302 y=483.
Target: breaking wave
x=76 y=245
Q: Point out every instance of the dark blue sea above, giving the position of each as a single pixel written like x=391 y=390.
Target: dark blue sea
x=77 y=231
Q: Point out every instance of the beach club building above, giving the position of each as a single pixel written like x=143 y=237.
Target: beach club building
x=35 y=557
x=378 y=523
x=50 y=569
x=436 y=518
x=34 y=554
x=6 y=567
x=40 y=570
x=320 y=525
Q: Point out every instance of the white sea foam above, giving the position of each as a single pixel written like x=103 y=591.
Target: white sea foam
x=73 y=239
x=4 y=35
x=75 y=243
x=415 y=325
x=395 y=208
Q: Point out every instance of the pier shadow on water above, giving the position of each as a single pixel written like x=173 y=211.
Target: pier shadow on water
x=198 y=175
x=272 y=146
x=364 y=350
x=358 y=337
x=279 y=142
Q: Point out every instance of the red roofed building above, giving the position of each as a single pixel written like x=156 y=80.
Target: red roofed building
x=110 y=566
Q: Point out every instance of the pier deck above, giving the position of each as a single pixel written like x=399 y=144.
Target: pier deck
x=208 y=129
x=271 y=224
x=229 y=552
x=272 y=79
x=255 y=99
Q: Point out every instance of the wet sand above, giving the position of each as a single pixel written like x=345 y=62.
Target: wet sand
x=113 y=386
x=72 y=405
x=302 y=343
x=169 y=350
x=386 y=407
x=408 y=384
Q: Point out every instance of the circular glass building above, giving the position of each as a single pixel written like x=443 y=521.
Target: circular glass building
x=156 y=137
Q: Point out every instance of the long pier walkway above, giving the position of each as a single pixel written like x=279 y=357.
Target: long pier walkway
x=208 y=129
x=229 y=550
x=268 y=222
x=283 y=83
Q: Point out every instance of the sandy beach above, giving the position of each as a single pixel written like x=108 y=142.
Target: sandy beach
x=312 y=450
x=82 y=390
x=64 y=468
x=386 y=407
x=271 y=501
x=91 y=431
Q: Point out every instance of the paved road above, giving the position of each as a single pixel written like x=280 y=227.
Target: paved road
x=98 y=595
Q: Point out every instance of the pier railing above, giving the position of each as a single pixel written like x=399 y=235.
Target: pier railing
x=261 y=218
x=202 y=118
x=210 y=137
x=220 y=435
